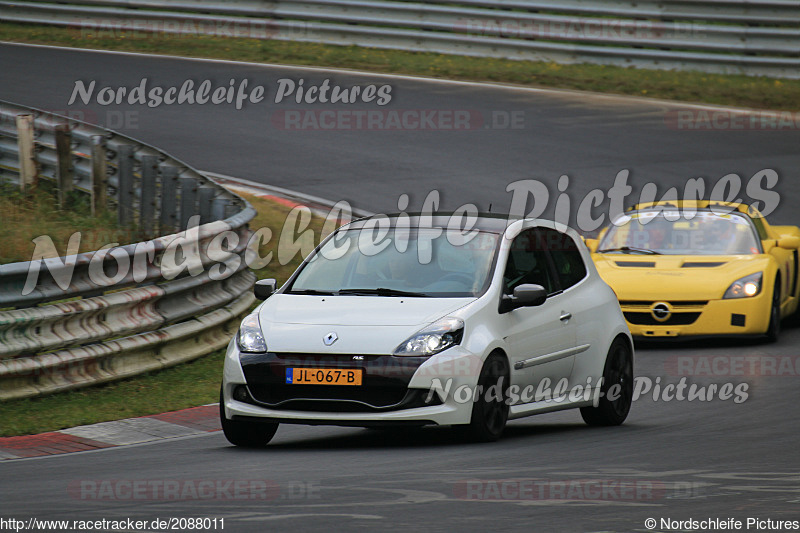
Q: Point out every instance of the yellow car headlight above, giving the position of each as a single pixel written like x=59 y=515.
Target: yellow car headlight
x=745 y=287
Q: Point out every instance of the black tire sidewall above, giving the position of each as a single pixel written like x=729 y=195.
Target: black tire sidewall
x=245 y=434
x=606 y=413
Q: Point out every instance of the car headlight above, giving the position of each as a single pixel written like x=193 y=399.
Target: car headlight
x=745 y=287
x=433 y=339
x=250 y=338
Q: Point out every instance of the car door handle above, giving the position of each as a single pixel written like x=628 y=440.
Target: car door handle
x=565 y=316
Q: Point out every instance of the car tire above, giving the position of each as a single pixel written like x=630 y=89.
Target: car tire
x=774 y=329
x=245 y=434
x=490 y=412
x=618 y=370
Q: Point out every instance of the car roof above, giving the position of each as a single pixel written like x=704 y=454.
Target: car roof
x=658 y=207
x=744 y=209
x=487 y=222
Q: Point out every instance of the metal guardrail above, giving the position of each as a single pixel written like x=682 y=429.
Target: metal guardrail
x=759 y=37
x=109 y=314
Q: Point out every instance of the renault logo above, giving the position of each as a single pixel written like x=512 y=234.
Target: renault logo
x=661 y=311
x=330 y=338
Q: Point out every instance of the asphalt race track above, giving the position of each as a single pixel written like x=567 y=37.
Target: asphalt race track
x=675 y=460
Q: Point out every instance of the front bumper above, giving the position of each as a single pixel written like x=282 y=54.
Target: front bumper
x=394 y=390
x=743 y=316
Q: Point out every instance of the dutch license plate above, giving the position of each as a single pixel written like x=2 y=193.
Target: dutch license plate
x=323 y=376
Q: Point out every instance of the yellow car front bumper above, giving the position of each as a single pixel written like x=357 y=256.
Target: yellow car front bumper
x=741 y=316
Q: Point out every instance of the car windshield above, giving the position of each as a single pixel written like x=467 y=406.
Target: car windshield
x=405 y=262
x=669 y=232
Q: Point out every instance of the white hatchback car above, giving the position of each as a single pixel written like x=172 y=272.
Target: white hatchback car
x=414 y=320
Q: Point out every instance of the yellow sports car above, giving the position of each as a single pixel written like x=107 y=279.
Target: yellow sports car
x=699 y=268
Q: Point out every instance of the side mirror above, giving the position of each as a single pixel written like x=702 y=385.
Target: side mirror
x=591 y=244
x=526 y=295
x=264 y=288
x=789 y=242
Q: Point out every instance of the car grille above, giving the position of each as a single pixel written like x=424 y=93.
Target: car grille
x=339 y=399
x=684 y=312
x=647 y=319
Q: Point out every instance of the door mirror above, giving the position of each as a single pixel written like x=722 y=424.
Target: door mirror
x=789 y=242
x=264 y=288
x=526 y=295
x=591 y=244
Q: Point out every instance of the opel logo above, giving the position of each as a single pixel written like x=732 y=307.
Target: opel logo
x=330 y=338
x=661 y=311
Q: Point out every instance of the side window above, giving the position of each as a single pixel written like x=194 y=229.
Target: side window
x=527 y=263
x=566 y=257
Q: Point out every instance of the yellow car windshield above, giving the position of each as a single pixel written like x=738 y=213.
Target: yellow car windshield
x=672 y=232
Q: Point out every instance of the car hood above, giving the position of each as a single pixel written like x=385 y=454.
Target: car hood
x=674 y=277
x=363 y=324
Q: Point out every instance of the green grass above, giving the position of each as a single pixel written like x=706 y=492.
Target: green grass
x=273 y=215
x=756 y=92
x=23 y=217
x=187 y=385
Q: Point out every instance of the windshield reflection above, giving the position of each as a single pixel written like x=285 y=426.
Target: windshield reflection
x=408 y=262
x=667 y=232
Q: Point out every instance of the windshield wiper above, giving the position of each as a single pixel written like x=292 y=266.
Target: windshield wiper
x=312 y=292
x=630 y=249
x=380 y=291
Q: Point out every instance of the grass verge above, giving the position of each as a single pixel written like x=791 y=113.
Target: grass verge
x=23 y=217
x=735 y=90
x=277 y=218
x=186 y=385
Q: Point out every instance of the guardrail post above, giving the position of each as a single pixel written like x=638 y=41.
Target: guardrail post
x=169 y=186
x=188 y=200
x=27 y=157
x=205 y=201
x=147 y=207
x=99 y=175
x=64 y=176
x=218 y=208
x=125 y=185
